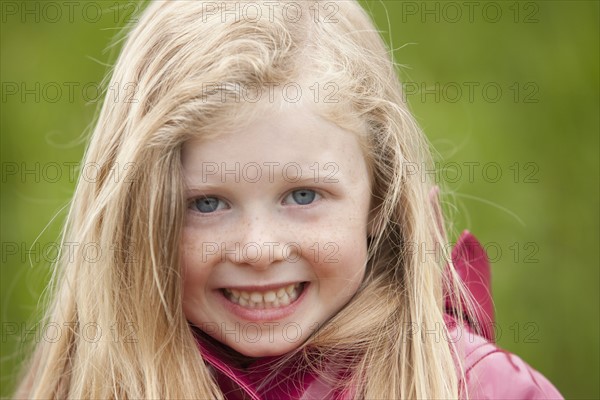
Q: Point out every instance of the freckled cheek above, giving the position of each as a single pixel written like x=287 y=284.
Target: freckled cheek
x=340 y=258
x=195 y=263
x=339 y=280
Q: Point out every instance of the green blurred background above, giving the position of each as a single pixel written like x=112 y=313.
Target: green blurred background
x=507 y=92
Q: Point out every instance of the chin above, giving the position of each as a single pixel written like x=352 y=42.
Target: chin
x=257 y=350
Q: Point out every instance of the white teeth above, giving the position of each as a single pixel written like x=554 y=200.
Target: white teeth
x=256 y=297
x=294 y=295
x=269 y=299
x=285 y=300
x=270 y=296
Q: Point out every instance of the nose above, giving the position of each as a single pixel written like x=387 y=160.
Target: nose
x=259 y=244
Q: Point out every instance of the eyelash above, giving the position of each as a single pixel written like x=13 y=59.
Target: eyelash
x=192 y=204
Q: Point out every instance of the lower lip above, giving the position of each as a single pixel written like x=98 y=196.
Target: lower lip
x=265 y=314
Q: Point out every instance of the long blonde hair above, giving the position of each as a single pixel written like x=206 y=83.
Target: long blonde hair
x=130 y=295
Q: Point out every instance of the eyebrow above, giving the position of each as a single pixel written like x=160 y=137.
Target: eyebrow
x=212 y=177
x=318 y=178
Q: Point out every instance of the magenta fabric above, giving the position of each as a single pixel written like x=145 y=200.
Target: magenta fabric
x=472 y=265
x=493 y=373
x=490 y=373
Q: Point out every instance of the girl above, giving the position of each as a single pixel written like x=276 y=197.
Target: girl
x=264 y=239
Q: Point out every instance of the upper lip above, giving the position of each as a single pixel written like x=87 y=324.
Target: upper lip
x=262 y=288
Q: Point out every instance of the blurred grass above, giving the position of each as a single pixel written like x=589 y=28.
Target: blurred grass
x=546 y=287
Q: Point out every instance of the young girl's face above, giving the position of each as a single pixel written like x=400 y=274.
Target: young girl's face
x=275 y=235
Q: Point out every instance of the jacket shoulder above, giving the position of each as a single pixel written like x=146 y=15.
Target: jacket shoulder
x=493 y=373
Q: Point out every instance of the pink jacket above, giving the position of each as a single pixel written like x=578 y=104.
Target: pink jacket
x=490 y=372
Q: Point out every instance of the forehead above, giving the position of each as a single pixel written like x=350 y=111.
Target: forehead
x=277 y=138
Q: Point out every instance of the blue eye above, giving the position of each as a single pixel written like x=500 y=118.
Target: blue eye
x=207 y=205
x=301 y=197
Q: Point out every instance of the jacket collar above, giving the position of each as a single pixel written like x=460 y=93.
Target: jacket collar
x=264 y=378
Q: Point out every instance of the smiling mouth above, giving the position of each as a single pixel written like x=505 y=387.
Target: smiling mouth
x=274 y=298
